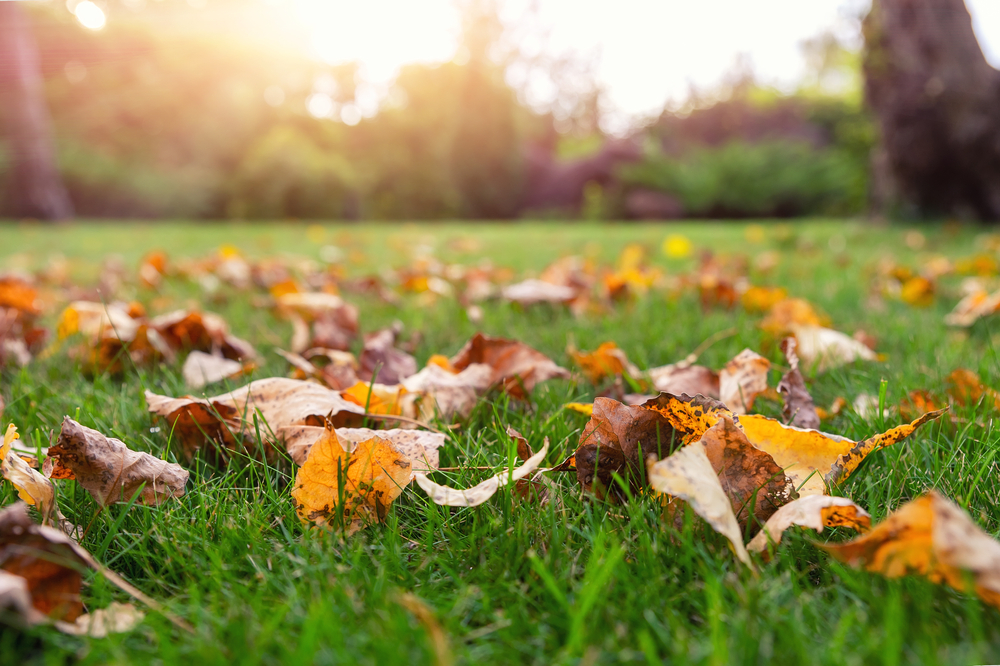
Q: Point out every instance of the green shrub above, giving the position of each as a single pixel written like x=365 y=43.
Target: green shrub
x=740 y=179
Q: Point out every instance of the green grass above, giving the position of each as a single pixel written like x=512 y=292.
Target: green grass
x=575 y=581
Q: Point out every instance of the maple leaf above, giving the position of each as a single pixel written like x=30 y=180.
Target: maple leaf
x=110 y=471
x=814 y=512
x=933 y=537
x=338 y=488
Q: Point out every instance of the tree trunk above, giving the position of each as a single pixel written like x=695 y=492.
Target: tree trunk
x=937 y=102
x=34 y=186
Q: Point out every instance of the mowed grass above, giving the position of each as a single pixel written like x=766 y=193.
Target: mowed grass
x=573 y=581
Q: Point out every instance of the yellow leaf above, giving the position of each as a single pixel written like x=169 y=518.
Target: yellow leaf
x=32 y=487
x=605 y=361
x=814 y=512
x=933 y=537
x=587 y=409
x=355 y=487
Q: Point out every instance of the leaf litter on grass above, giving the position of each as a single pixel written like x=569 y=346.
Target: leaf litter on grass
x=361 y=428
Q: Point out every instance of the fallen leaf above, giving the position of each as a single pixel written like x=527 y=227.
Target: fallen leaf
x=789 y=313
x=449 y=395
x=933 y=537
x=532 y=292
x=32 y=487
x=111 y=472
x=742 y=380
x=201 y=369
x=420 y=446
x=517 y=368
x=605 y=361
x=814 y=512
x=337 y=488
x=229 y=418
x=799 y=409
x=822 y=348
x=754 y=483
x=16 y=598
x=476 y=495
x=380 y=360
x=117 y=618
x=46 y=559
x=966 y=388
x=681 y=378
x=334 y=321
x=977 y=304
x=201 y=331
x=814 y=459
x=377 y=398
x=334 y=368
x=688 y=475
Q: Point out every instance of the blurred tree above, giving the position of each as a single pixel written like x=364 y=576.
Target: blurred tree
x=34 y=187
x=936 y=100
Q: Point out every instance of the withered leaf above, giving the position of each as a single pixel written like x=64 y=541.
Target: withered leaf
x=605 y=361
x=933 y=537
x=201 y=369
x=32 y=487
x=685 y=378
x=688 y=475
x=742 y=380
x=822 y=348
x=380 y=354
x=111 y=472
x=115 y=619
x=517 y=368
x=229 y=417
x=814 y=512
x=46 y=559
x=754 y=483
x=449 y=395
x=533 y=291
x=476 y=495
x=337 y=488
x=814 y=459
x=799 y=409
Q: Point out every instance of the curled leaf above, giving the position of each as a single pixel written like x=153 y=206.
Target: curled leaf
x=32 y=487
x=742 y=380
x=420 y=446
x=933 y=537
x=814 y=512
x=111 y=472
x=799 y=409
x=517 y=368
x=476 y=495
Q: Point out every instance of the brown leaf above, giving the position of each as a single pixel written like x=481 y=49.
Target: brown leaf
x=392 y=365
x=201 y=331
x=229 y=417
x=111 y=472
x=742 y=380
x=750 y=478
x=799 y=409
x=681 y=378
x=46 y=559
x=517 y=368
x=688 y=475
x=449 y=395
x=523 y=448
x=334 y=321
x=933 y=537
x=814 y=512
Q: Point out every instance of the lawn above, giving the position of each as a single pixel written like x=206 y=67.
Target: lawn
x=572 y=581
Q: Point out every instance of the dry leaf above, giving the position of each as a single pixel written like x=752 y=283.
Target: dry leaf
x=688 y=475
x=446 y=496
x=814 y=512
x=531 y=292
x=111 y=472
x=334 y=368
x=681 y=378
x=334 y=322
x=789 y=313
x=32 y=487
x=46 y=559
x=750 y=478
x=822 y=348
x=117 y=618
x=933 y=537
x=605 y=361
x=229 y=417
x=381 y=361
x=973 y=307
x=449 y=395
x=517 y=368
x=16 y=598
x=201 y=331
x=420 y=446
x=355 y=487
x=201 y=369
x=742 y=380
x=799 y=409
x=814 y=459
